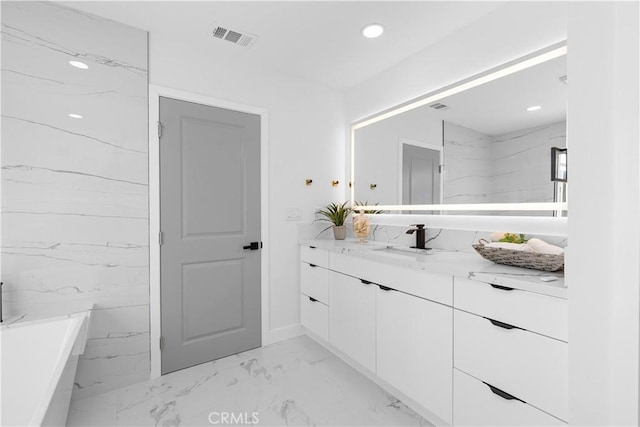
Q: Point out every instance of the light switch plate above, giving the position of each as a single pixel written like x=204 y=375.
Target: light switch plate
x=294 y=214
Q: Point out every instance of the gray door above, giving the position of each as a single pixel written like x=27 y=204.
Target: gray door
x=209 y=211
x=420 y=175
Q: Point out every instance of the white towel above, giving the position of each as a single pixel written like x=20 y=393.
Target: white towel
x=542 y=247
x=497 y=236
x=513 y=246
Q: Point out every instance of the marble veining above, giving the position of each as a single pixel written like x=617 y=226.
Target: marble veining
x=75 y=191
x=509 y=168
x=295 y=382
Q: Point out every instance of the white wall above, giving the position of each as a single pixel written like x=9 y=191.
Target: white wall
x=306 y=140
x=603 y=139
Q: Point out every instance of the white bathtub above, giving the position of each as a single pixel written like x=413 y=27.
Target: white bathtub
x=38 y=361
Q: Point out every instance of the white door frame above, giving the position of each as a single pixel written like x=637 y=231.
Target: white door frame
x=155 y=92
x=406 y=141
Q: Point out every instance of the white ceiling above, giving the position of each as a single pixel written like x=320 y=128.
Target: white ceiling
x=314 y=40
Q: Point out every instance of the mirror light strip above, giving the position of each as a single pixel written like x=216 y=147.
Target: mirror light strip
x=473 y=207
x=352 y=192
x=519 y=65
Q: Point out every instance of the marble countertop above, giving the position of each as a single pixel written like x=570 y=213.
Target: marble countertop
x=458 y=264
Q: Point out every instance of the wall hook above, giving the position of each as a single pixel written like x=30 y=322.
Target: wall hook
x=309 y=181
x=373 y=186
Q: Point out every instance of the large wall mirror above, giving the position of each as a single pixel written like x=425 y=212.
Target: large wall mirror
x=488 y=144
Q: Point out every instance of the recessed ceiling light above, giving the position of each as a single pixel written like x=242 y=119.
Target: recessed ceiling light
x=75 y=116
x=372 y=31
x=78 y=64
x=534 y=108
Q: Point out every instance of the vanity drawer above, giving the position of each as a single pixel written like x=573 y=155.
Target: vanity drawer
x=315 y=256
x=314 y=316
x=423 y=284
x=543 y=314
x=530 y=366
x=314 y=282
x=475 y=404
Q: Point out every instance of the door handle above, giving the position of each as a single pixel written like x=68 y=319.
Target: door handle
x=253 y=246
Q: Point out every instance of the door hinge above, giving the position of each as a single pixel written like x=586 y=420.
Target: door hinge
x=160 y=126
x=161 y=343
x=440 y=168
x=160 y=238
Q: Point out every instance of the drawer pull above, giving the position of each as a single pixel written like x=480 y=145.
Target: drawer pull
x=365 y=282
x=312 y=265
x=502 y=288
x=312 y=247
x=312 y=299
x=503 y=394
x=385 y=288
x=502 y=324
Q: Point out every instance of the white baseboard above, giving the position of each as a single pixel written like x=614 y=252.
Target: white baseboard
x=284 y=333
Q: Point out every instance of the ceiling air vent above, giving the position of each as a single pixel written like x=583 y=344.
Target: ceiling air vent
x=439 y=106
x=236 y=37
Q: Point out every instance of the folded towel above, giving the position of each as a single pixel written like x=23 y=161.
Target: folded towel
x=542 y=247
x=497 y=236
x=512 y=246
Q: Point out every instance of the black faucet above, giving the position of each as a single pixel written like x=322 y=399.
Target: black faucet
x=420 y=235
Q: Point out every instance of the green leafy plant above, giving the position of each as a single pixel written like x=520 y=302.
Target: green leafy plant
x=335 y=213
x=513 y=238
x=366 y=211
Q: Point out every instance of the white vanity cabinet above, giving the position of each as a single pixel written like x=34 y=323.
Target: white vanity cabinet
x=475 y=404
x=458 y=351
x=352 y=318
x=509 y=353
x=314 y=290
x=414 y=348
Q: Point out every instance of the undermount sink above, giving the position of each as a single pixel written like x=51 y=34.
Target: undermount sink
x=357 y=246
x=401 y=253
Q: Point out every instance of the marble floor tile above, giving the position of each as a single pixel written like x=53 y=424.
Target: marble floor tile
x=295 y=382
x=99 y=410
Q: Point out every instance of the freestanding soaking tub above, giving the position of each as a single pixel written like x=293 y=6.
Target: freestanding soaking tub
x=38 y=361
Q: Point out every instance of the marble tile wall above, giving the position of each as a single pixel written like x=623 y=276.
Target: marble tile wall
x=509 y=168
x=521 y=163
x=75 y=191
x=467 y=165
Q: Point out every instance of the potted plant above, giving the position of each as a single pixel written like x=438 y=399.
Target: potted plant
x=337 y=214
x=362 y=221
